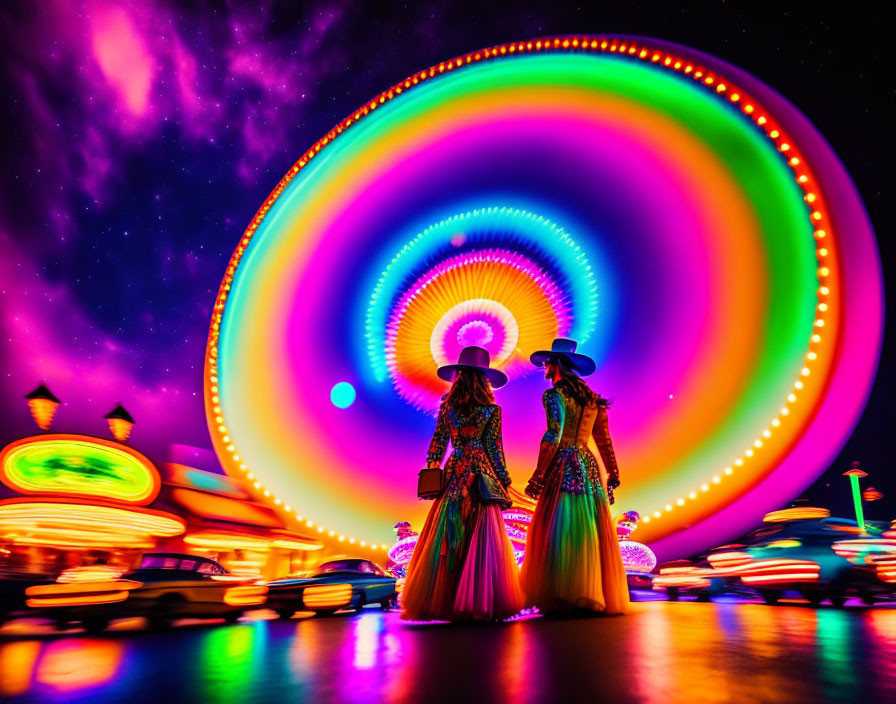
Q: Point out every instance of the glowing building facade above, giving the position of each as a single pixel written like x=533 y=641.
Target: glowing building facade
x=69 y=500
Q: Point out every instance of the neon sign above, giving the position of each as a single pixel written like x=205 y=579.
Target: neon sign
x=78 y=465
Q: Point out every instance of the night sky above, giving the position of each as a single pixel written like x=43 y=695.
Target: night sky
x=140 y=138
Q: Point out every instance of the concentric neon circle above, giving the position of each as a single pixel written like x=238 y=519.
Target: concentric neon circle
x=680 y=219
x=475 y=322
x=451 y=287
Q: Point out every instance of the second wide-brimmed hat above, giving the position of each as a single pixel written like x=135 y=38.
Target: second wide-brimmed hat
x=474 y=359
x=563 y=347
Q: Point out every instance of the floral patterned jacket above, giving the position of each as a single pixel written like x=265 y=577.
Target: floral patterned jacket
x=564 y=454
x=477 y=443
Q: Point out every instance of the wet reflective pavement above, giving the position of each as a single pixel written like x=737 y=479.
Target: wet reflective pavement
x=662 y=652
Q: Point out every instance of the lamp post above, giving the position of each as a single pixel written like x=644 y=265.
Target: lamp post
x=120 y=423
x=854 y=473
x=43 y=404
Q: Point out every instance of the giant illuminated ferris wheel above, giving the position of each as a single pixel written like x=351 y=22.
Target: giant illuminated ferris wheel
x=674 y=214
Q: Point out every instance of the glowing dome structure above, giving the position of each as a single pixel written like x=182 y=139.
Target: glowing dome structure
x=674 y=214
x=401 y=551
x=636 y=557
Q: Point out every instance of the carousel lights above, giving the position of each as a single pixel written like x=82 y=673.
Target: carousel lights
x=796 y=514
x=785 y=543
x=62 y=518
x=783 y=578
x=777 y=564
x=293 y=544
x=227 y=541
x=82 y=539
x=725 y=560
x=779 y=571
x=871 y=494
x=742 y=565
x=863 y=547
x=774 y=133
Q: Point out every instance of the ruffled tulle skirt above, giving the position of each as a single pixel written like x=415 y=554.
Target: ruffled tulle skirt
x=572 y=553
x=463 y=567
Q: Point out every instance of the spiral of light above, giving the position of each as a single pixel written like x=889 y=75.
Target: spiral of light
x=681 y=220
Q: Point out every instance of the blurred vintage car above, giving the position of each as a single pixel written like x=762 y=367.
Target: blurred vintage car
x=165 y=587
x=812 y=557
x=639 y=581
x=800 y=552
x=13 y=585
x=340 y=584
x=682 y=577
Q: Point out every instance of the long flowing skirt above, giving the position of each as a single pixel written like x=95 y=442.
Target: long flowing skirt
x=463 y=566
x=572 y=553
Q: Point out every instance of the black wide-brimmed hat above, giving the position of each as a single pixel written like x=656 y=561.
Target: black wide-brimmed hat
x=564 y=348
x=474 y=359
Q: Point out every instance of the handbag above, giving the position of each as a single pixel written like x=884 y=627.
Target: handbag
x=491 y=491
x=430 y=483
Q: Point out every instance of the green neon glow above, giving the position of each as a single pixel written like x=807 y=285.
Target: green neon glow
x=836 y=648
x=78 y=467
x=229 y=659
x=857 y=500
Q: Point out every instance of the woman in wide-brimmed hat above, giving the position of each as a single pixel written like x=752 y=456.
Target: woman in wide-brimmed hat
x=463 y=566
x=572 y=558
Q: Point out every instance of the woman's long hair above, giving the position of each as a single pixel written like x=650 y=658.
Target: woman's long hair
x=572 y=386
x=469 y=391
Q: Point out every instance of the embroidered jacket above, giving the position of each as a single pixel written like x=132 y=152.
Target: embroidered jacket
x=564 y=452
x=477 y=446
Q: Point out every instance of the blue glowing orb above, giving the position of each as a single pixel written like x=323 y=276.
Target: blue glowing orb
x=343 y=394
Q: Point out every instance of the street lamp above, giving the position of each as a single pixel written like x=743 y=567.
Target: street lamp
x=854 y=473
x=42 y=404
x=120 y=422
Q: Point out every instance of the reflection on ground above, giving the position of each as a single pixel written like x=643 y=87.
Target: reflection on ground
x=662 y=652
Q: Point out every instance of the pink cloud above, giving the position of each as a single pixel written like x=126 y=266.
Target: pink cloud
x=133 y=71
x=103 y=84
x=187 y=79
x=123 y=57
